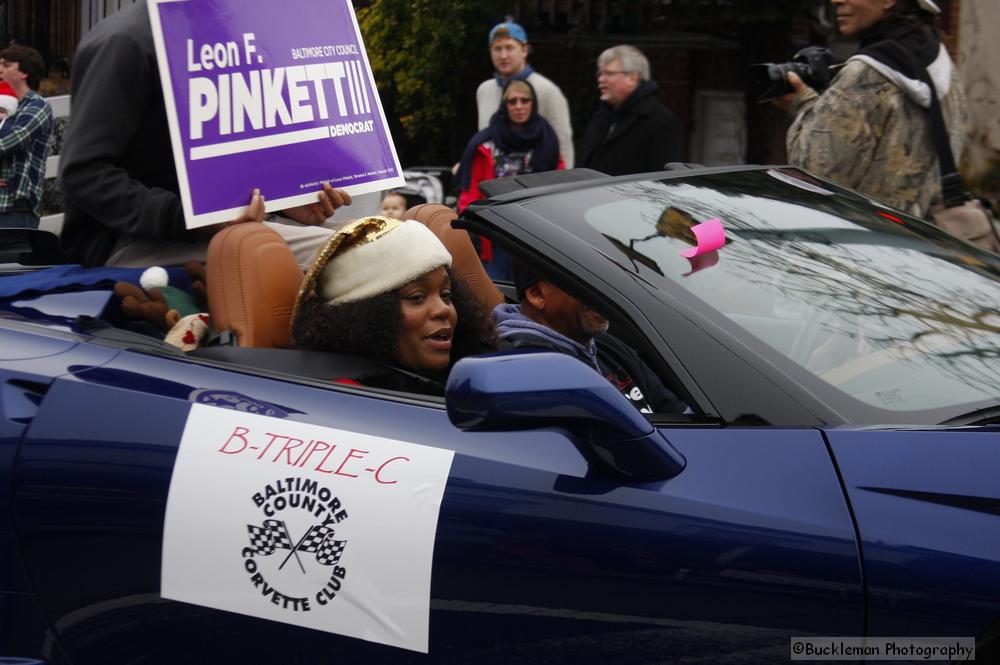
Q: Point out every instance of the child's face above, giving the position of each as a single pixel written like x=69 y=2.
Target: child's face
x=3 y=113
x=394 y=206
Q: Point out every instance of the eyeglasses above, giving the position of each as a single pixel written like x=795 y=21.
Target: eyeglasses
x=609 y=73
x=514 y=101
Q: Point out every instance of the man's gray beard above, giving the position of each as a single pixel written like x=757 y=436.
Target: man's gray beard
x=590 y=328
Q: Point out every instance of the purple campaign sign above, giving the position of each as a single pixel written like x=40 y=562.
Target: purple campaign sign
x=275 y=94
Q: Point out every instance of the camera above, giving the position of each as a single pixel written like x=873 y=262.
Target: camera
x=812 y=64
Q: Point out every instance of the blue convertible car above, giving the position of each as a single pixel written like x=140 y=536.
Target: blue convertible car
x=837 y=472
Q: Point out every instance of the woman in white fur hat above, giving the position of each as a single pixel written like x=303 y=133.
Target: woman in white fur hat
x=383 y=289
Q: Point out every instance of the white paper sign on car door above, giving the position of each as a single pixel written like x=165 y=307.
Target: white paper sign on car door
x=307 y=525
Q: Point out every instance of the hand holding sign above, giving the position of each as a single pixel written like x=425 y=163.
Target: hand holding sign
x=314 y=214
x=311 y=214
x=254 y=211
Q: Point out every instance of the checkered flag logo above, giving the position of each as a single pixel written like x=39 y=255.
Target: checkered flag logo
x=264 y=540
x=314 y=538
x=329 y=552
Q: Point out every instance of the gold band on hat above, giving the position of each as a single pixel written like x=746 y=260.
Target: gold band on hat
x=358 y=232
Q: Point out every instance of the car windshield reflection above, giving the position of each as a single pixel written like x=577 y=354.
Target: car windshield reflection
x=887 y=310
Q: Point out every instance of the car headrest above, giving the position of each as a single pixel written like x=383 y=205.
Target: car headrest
x=465 y=263
x=253 y=279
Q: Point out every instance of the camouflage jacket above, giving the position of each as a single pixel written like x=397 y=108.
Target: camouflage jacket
x=870 y=130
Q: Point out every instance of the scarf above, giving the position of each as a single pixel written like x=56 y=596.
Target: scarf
x=520 y=76
x=536 y=135
x=511 y=322
x=881 y=42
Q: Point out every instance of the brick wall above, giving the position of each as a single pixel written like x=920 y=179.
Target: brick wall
x=950 y=22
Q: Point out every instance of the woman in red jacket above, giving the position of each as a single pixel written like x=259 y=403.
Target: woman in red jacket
x=517 y=141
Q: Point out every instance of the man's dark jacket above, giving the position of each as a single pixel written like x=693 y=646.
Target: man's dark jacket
x=640 y=136
x=614 y=359
x=116 y=166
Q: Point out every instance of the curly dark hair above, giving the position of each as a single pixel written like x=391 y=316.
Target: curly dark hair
x=371 y=327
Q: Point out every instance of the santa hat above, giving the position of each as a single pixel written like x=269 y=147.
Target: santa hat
x=372 y=256
x=8 y=100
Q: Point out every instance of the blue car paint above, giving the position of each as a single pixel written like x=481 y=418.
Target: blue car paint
x=530 y=390
x=67 y=305
x=59 y=310
x=928 y=509
x=28 y=362
x=24 y=630
x=752 y=543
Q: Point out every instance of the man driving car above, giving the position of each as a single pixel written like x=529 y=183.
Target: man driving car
x=549 y=318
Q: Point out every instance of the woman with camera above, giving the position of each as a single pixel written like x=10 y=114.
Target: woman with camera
x=871 y=129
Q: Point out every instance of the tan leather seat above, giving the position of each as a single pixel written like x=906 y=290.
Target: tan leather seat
x=465 y=261
x=253 y=279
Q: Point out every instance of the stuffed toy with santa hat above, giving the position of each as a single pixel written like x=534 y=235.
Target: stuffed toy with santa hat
x=159 y=304
x=8 y=102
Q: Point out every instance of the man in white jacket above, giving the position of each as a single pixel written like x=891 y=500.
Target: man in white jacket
x=509 y=52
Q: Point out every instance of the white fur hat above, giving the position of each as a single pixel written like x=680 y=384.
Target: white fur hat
x=930 y=6
x=372 y=256
x=8 y=100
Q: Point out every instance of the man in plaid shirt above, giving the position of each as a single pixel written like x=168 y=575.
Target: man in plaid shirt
x=24 y=139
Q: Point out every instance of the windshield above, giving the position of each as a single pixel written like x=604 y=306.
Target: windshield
x=892 y=313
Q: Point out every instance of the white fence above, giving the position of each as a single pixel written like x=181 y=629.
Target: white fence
x=60 y=109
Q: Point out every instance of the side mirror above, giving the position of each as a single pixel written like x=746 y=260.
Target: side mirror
x=518 y=391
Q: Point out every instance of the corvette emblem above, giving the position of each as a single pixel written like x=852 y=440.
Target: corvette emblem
x=294 y=549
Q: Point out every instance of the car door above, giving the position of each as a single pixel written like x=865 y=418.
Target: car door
x=536 y=556
x=28 y=365
x=926 y=501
